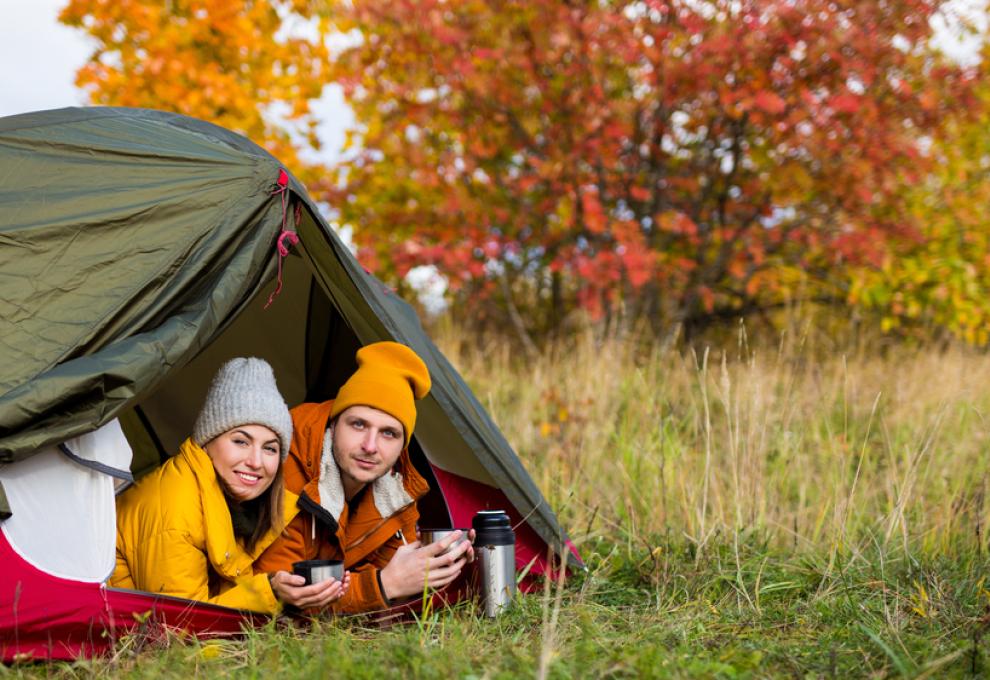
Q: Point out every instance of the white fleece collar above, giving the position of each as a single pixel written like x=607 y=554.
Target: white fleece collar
x=330 y=486
x=388 y=492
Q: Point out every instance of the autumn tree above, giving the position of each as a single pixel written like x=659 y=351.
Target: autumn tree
x=940 y=283
x=253 y=66
x=686 y=160
x=675 y=160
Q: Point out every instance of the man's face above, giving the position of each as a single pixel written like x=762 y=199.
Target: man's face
x=366 y=444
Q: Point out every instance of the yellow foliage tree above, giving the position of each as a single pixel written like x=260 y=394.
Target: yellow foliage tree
x=941 y=280
x=237 y=63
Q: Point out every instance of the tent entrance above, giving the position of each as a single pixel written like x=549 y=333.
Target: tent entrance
x=310 y=347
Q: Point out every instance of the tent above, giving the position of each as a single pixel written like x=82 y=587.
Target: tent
x=138 y=251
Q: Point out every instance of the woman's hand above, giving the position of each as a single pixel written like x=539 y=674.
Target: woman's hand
x=292 y=589
x=416 y=565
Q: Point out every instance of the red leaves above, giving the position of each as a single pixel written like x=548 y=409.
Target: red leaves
x=594 y=215
x=677 y=223
x=609 y=145
x=769 y=101
x=640 y=193
x=707 y=298
x=638 y=264
x=845 y=103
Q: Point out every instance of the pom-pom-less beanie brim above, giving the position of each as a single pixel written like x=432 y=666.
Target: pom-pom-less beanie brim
x=390 y=377
x=244 y=392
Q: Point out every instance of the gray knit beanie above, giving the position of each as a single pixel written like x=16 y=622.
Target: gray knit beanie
x=244 y=393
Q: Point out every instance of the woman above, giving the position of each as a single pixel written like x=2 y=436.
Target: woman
x=194 y=527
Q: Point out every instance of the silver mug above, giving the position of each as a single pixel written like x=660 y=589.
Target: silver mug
x=428 y=536
x=318 y=571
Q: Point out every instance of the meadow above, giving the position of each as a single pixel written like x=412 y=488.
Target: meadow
x=783 y=509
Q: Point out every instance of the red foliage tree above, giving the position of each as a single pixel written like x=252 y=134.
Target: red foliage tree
x=679 y=160
x=686 y=159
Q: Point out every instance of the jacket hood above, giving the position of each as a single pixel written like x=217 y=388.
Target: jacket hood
x=224 y=552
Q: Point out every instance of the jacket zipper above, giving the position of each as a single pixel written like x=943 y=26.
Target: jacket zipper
x=361 y=539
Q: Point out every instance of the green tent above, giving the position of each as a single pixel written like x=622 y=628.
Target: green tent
x=138 y=251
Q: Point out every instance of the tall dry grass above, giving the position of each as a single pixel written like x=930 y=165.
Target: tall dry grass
x=816 y=450
x=759 y=510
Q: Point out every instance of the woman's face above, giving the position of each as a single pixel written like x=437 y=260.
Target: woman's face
x=246 y=458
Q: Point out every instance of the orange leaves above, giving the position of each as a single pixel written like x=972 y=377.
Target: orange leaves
x=928 y=100
x=640 y=193
x=707 y=297
x=591 y=150
x=939 y=275
x=594 y=214
x=238 y=63
x=677 y=223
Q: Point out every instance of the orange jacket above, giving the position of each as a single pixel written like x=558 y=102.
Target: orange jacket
x=364 y=535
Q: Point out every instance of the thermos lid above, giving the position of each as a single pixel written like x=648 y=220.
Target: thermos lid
x=493 y=527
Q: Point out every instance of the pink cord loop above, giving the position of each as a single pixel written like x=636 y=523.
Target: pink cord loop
x=285 y=235
x=291 y=237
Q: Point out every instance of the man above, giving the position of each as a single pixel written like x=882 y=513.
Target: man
x=349 y=463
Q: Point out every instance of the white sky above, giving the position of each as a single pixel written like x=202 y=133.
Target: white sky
x=38 y=57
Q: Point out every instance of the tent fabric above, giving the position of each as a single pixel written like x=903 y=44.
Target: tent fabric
x=128 y=238
x=466 y=497
x=105 y=450
x=137 y=253
x=64 y=512
x=131 y=238
x=450 y=416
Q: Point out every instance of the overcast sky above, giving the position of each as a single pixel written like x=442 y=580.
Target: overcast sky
x=38 y=57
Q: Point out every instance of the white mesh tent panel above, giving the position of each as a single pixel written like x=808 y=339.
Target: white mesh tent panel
x=64 y=519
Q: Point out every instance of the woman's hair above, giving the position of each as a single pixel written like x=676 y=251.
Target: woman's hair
x=269 y=510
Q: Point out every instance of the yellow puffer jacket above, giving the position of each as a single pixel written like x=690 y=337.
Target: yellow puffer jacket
x=175 y=537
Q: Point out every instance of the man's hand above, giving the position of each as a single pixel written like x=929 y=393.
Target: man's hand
x=470 y=551
x=292 y=589
x=416 y=565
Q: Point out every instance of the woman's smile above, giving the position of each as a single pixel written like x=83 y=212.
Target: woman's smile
x=246 y=460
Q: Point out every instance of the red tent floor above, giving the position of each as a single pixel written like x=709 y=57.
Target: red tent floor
x=47 y=617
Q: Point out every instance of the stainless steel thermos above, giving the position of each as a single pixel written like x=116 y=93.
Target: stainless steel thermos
x=495 y=548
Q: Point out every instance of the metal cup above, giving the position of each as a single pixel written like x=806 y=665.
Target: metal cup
x=318 y=571
x=428 y=536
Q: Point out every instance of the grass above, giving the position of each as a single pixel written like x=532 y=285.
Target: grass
x=750 y=512
x=742 y=611
x=809 y=451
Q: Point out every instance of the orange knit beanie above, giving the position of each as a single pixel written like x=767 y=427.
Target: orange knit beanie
x=389 y=377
